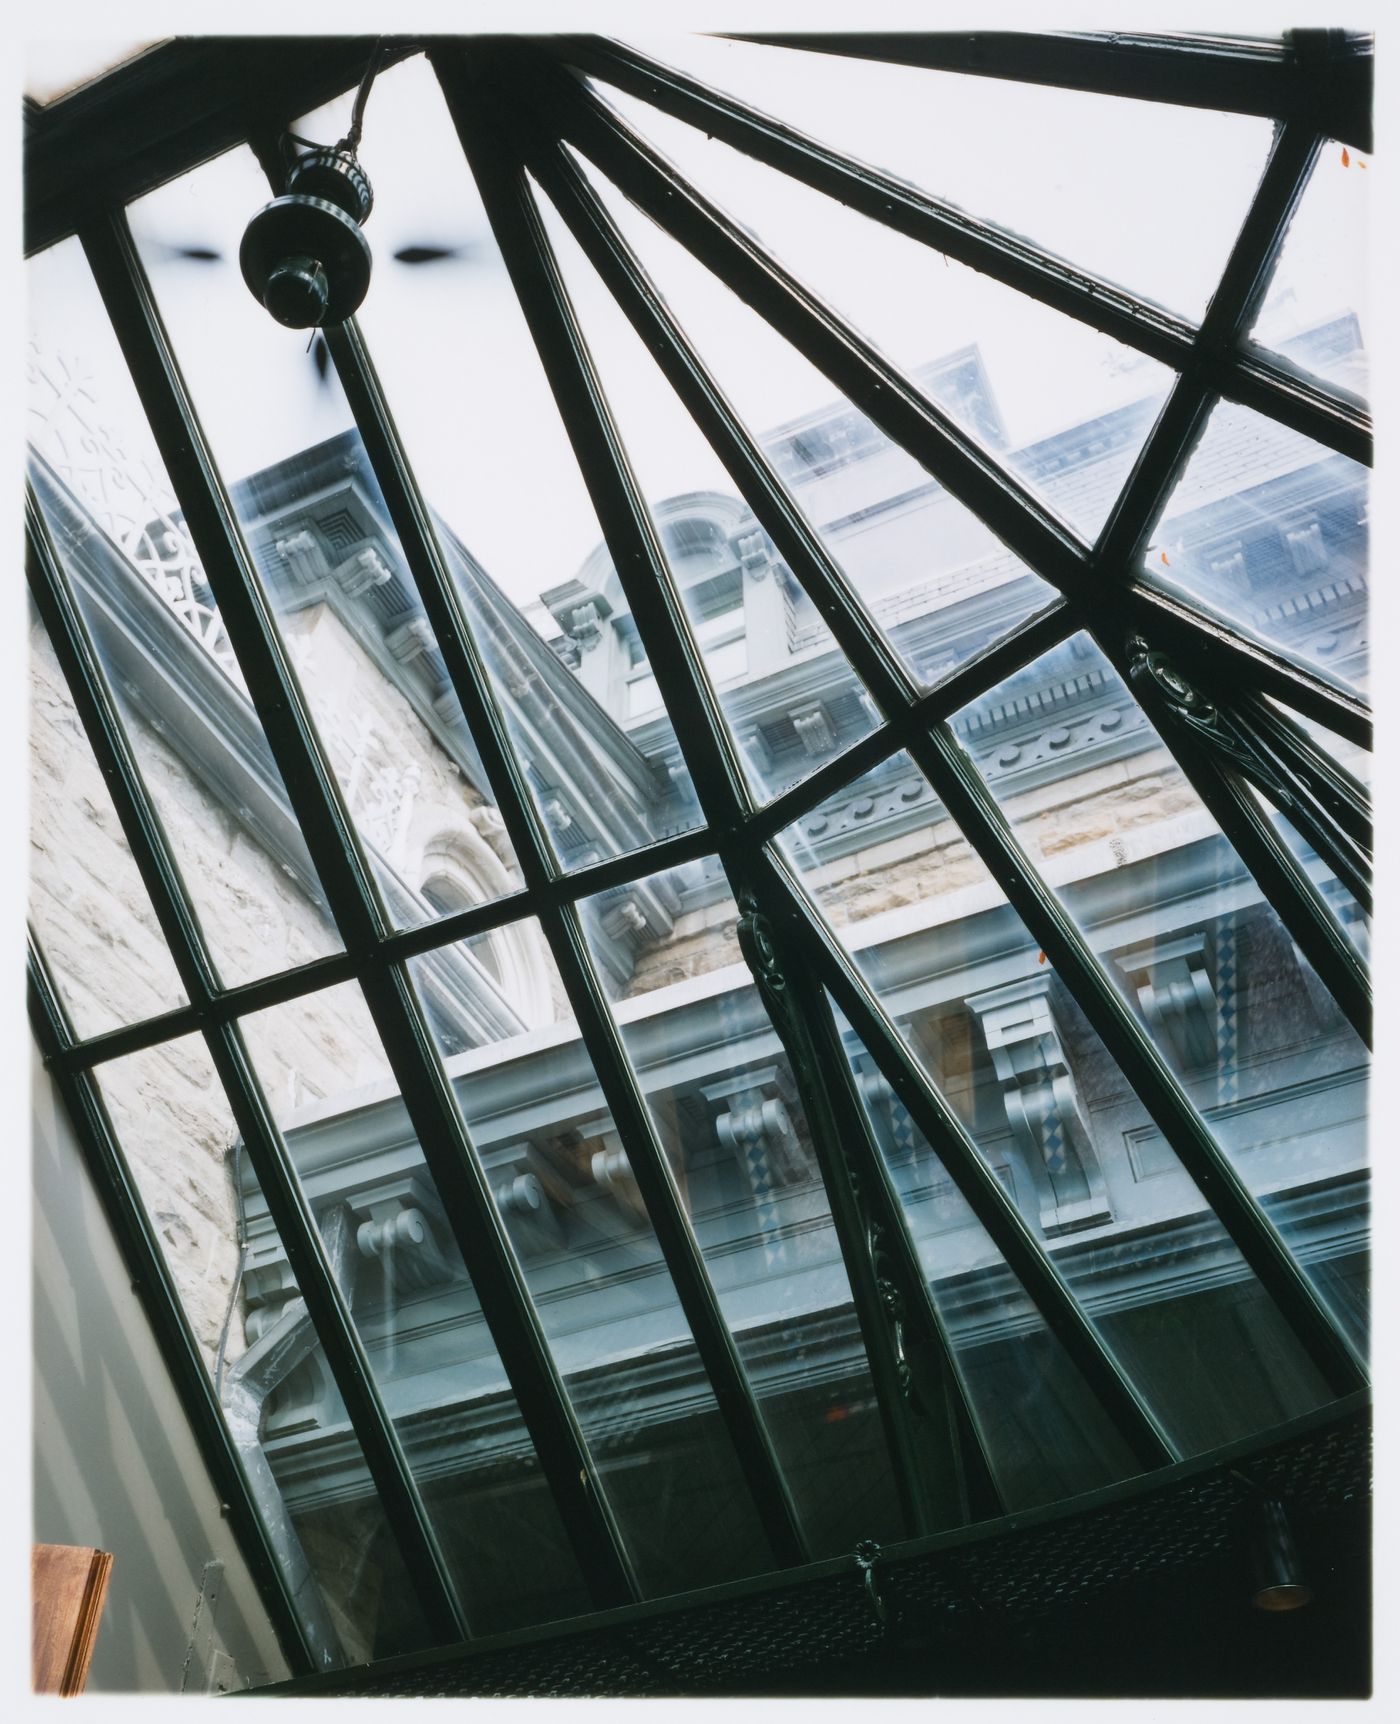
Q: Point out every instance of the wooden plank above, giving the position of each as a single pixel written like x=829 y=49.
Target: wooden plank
x=69 y=1588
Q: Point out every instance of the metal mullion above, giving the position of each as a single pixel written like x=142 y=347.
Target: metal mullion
x=1329 y=416
x=97 y=711
x=1285 y=883
x=615 y=495
x=974 y=809
x=500 y=1284
x=130 y=1039
x=891 y=684
x=1173 y=624
x=871 y=1226
x=709 y=752
x=1025 y=1255
x=320 y=973
x=431 y=574
x=675 y=1233
x=315 y=799
x=983 y=1493
x=1314 y=815
x=1020 y=524
x=895 y=203
x=468 y=1201
x=1208 y=756
x=213 y=526
x=1313 y=772
x=329 y=1308
x=714 y=769
x=1304 y=404
x=971 y=679
x=1259 y=78
x=1163 y=456
x=856 y=367
x=160 y=1300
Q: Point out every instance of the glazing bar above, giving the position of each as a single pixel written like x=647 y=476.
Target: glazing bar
x=988 y=1199
x=971 y=805
x=1341 y=424
x=1241 y=77
x=349 y=887
x=301 y=1639
x=271 y=1160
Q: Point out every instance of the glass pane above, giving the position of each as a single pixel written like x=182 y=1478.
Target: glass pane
x=1271 y=531
x=1353 y=920
x=138 y=582
x=1194 y=947
x=726 y=1109
x=593 y=1265
x=302 y=1461
x=1141 y=193
x=327 y=1079
x=87 y=903
x=1065 y=408
x=1045 y=1103
x=1315 y=312
x=1043 y=1429
x=318 y=531
x=448 y=334
x=1355 y=760
x=937 y=581
x=740 y=600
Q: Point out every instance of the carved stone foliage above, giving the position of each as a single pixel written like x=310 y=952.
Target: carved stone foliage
x=126 y=496
x=1027 y=1045
x=380 y=792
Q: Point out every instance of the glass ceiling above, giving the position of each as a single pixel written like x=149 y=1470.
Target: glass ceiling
x=705 y=885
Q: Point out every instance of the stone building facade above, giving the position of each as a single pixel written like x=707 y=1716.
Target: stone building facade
x=1275 y=530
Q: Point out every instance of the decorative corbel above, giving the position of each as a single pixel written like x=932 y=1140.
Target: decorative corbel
x=1174 y=982
x=1026 y=1043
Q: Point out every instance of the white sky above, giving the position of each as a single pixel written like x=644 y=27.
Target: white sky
x=1149 y=194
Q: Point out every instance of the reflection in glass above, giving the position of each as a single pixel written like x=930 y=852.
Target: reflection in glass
x=1350 y=917
x=726 y=1109
x=318 y=531
x=1065 y=408
x=593 y=1265
x=1315 y=310
x=1348 y=755
x=471 y=400
x=326 y=1076
x=1142 y=193
x=87 y=902
x=302 y=1462
x=1042 y=1098
x=1043 y=1430
x=1195 y=949
x=741 y=601
x=137 y=581
x=1271 y=531
x=937 y=581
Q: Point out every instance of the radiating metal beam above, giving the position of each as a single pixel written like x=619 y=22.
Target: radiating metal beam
x=355 y=905
x=1338 y=421
x=974 y=809
x=990 y=1202
x=472 y=683
x=271 y=1160
x=1232 y=75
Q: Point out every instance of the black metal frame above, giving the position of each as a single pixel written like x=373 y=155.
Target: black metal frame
x=515 y=105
